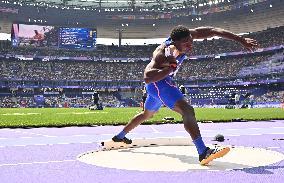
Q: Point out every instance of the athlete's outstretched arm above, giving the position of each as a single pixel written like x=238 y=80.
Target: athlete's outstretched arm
x=206 y=32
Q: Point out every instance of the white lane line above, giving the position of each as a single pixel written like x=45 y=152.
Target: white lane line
x=86 y=142
x=25 y=137
x=155 y=131
x=49 y=136
x=181 y=131
x=273 y=147
x=37 y=162
x=79 y=135
x=213 y=170
x=233 y=135
x=107 y=134
x=277 y=127
x=231 y=129
x=31 y=133
x=28 y=133
x=254 y=128
x=41 y=144
x=3 y=138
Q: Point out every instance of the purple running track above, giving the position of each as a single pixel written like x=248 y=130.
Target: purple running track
x=42 y=155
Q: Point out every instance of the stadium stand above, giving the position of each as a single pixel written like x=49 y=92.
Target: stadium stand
x=216 y=69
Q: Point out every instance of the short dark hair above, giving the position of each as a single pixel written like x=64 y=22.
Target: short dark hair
x=179 y=32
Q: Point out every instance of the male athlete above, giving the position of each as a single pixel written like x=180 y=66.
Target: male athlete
x=144 y=96
x=38 y=38
x=158 y=76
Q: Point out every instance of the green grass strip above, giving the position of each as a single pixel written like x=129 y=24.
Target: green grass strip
x=60 y=117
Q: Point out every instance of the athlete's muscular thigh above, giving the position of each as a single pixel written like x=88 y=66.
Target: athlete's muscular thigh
x=184 y=108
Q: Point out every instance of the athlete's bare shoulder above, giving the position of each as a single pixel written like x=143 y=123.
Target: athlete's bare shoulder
x=159 y=51
x=159 y=55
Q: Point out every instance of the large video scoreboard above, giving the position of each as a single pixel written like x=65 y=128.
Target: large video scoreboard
x=79 y=38
x=53 y=36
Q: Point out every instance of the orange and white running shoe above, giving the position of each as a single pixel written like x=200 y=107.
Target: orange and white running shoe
x=211 y=154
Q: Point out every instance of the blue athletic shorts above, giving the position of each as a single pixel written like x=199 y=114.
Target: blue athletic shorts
x=162 y=92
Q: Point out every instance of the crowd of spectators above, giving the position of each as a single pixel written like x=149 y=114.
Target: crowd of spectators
x=216 y=67
x=107 y=100
x=55 y=70
x=88 y=70
x=267 y=38
x=271 y=96
x=16 y=102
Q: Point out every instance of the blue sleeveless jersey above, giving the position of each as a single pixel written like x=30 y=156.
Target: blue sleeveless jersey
x=179 y=59
x=164 y=92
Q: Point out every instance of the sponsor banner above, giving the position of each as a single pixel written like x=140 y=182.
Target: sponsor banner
x=140 y=17
x=51 y=92
x=87 y=93
x=9 y=10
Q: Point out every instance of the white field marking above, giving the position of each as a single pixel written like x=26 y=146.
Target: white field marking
x=65 y=143
x=181 y=131
x=277 y=127
x=233 y=135
x=86 y=142
x=213 y=170
x=107 y=134
x=132 y=133
x=131 y=162
x=3 y=138
x=239 y=129
x=20 y=114
x=273 y=147
x=50 y=136
x=256 y=134
x=277 y=133
x=29 y=133
x=37 y=162
x=40 y=144
x=155 y=131
x=25 y=137
x=232 y=129
x=82 y=135
x=81 y=113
